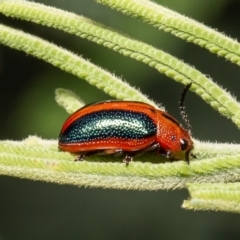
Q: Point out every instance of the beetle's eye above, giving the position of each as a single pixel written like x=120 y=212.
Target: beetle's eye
x=184 y=144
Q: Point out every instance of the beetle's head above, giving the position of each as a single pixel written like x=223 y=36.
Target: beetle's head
x=175 y=142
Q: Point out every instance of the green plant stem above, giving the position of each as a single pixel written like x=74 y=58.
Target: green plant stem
x=221 y=196
x=71 y=63
x=68 y=100
x=179 y=25
x=163 y=62
x=39 y=159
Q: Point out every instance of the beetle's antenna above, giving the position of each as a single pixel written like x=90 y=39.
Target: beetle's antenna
x=182 y=108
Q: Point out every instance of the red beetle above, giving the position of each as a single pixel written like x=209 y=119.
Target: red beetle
x=127 y=127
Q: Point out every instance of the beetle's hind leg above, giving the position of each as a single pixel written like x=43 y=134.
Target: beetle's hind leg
x=128 y=158
x=118 y=152
x=84 y=155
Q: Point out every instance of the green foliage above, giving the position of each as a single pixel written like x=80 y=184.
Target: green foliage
x=39 y=159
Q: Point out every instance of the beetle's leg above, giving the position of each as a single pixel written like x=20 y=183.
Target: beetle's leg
x=129 y=155
x=113 y=151
x=165 y=153
x=84 y=155
x=128 y=158
x=80 y=158
x=154 y=146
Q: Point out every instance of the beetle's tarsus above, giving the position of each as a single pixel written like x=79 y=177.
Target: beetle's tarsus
x=127 y=159
x=80 y=158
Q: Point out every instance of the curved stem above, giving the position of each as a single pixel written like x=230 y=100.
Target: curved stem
x=217 y=97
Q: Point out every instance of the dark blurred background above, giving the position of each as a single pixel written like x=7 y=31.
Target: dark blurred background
x=36 y=210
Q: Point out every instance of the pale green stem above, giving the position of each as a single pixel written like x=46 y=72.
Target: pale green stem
x=204 y=150
x=179 y=25
x=163 y=62
x=39 y=159
x=71 y=63
x=68 y=100
x=221 y=196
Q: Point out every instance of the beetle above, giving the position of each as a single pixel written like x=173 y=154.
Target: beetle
x=126 y=127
